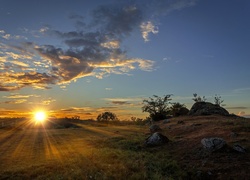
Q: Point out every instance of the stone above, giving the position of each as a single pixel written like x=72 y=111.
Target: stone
x=213 y=144
x=156 y=139
x=233 y=134
x=207 y=108
x=154 y=128
x=239 y=148
x=180 y=122
x=165 y=121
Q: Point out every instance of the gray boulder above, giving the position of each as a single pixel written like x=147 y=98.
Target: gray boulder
x=156 y=139
x=213 y=144
x=154 y=128
x=207 y=108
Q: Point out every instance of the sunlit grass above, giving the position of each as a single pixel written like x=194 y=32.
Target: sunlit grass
x=85 y=153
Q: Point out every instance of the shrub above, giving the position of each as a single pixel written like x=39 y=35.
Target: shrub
x=107 y=116
x=157 y=107
x=178 y=109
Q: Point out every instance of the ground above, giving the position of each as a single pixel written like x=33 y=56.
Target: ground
x=92 y=150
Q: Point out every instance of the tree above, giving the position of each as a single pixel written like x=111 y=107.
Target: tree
x=198 y=98
x=107 y=116
x=157 y=107
x=178 y=109
x=218 y=100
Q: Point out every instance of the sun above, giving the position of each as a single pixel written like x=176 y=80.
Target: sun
x=40 y=116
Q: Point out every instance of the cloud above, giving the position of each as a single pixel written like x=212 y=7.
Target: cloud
x=238 y=107
x=89 y=49
x=241 y=113
x=146 y=28
x=19 y=96
x=120 y=102
x=17 y=101
x=15 y=81
x=108 y=89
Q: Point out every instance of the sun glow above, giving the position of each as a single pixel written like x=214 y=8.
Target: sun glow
x=40 y=116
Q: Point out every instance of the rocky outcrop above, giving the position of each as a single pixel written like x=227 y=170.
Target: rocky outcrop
x=156 y=139
x=207 y=108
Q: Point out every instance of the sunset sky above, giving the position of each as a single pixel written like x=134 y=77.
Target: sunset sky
x=85 y=57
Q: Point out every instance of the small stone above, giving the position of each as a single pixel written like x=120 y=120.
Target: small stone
x=239 y=148
x=180 y=122
x=165 y=121
x=233 y=134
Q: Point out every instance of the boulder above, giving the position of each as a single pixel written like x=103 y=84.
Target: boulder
x=154 y=128
x=213 y=144
x=156 y=139
x=239 y=148
x=207 y=108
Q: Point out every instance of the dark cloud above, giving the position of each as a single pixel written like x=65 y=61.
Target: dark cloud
x=117 y=21
x=9 y=88
x=120 y=102
x=16 y=81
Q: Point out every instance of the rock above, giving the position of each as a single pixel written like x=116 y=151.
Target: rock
x=213 y=144
x=233 y=134
x=180 y=122
x=154 y=128
x=239 y=148
x=207 y=108
x=156 y=139
x=165 y=121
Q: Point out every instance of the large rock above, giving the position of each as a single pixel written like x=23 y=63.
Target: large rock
x=213 y=144
x=156 y=139
x=154 y=128
x=207 y=108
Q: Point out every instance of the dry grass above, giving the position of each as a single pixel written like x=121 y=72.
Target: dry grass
x=117 y=152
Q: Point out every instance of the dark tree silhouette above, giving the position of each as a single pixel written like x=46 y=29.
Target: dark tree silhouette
x=178 y=109
x=107 y=116
x=157 y=107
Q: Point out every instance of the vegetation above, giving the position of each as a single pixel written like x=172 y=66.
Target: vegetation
x=218 y=100
x=107 y=116
x=178 y=109
x=198 y=98
x=157 y=107
x=109 y=151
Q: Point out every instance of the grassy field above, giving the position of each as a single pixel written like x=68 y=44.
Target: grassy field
x=102 y=151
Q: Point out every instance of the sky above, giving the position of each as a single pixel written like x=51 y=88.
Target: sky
x=86 y=57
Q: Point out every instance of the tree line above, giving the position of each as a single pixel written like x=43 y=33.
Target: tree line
x=160 y=108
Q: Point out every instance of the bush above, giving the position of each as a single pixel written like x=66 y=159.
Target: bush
x=178 y=109
x=107 y=116
x=157 y=107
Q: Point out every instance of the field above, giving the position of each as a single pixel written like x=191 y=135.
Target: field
x=109 y=151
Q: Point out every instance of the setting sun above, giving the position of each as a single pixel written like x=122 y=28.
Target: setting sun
x=40 y=116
